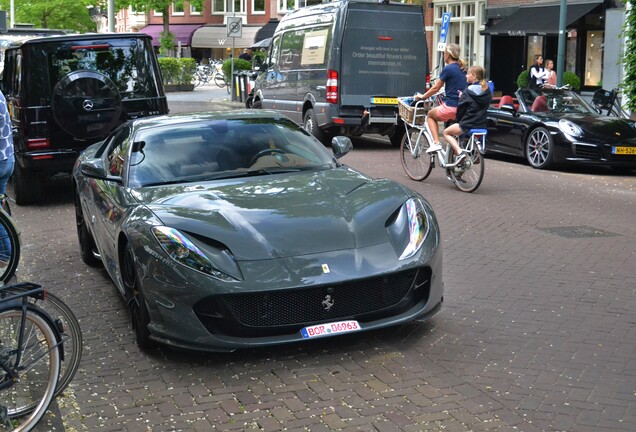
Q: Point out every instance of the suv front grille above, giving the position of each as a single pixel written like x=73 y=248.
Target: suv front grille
x=285 y=311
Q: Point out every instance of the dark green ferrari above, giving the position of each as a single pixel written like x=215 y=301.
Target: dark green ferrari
x=239 y=229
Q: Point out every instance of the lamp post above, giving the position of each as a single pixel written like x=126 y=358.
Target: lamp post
x=561 y=47
x=111 y=16
x=11 y=12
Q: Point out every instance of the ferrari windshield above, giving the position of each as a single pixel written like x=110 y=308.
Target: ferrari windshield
x=212 y=149
x=556 y=101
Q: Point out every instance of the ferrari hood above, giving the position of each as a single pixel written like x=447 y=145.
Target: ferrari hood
x=281 y=215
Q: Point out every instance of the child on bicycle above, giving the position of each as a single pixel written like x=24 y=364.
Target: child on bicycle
x=472 y=108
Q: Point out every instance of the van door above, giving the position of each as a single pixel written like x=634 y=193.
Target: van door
x=268 y=84
x=289 y=65
x=384 y=52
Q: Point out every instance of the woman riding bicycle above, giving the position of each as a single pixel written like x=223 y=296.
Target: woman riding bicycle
x=453 y=79
x=472 y=108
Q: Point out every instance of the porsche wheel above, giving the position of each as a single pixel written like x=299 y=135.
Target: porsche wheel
x=88 y=248
x=136 y=301
x=539 y=148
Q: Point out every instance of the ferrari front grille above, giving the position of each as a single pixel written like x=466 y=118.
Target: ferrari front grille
x=283 y=311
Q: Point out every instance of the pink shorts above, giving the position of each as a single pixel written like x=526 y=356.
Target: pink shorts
x=446 y=113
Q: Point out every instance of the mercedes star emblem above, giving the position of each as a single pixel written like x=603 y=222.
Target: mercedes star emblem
x=87 y=105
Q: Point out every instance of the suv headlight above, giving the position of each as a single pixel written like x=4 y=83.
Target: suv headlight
x=569 y=128
x=185 y=252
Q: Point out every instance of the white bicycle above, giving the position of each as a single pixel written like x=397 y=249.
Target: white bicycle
x=466 y=173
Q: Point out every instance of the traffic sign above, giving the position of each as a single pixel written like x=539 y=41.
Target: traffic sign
x=234 y=27
x=446 y=17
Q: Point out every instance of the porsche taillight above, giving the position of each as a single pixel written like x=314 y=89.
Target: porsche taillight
x=332 y=86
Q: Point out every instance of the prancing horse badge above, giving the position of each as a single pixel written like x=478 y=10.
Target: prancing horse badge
x=325 y=268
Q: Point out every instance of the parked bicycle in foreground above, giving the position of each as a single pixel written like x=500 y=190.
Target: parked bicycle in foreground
x=606 y=102
x=30 y=358
x=21 y=406
x=466 y=173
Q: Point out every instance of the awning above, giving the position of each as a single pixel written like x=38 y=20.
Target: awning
x=538 y=19
x=267 y=31
x=182 y=32
x=215 y=36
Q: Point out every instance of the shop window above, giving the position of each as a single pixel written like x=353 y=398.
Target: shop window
x=594 y=58
x=535 y=46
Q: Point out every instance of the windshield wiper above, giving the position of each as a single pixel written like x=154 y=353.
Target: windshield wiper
x=249 y=173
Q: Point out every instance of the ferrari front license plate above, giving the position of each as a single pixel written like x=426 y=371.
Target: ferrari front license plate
x=384 y=101
x=330 y=329
x=624 y=150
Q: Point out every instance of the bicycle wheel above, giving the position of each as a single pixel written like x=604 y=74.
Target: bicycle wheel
x=416 y=162
x=219 y=80
x=71 y=338
x=38 y=367
x=9 y=247
x=469 y=173
x=196 y=79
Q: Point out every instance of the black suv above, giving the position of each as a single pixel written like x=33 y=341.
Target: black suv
x=67 y=92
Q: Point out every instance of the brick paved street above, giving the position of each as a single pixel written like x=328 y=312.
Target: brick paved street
x=537 y=332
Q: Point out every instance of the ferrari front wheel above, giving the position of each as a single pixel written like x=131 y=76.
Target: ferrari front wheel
x=136 y=301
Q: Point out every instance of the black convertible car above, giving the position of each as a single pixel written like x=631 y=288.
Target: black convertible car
x=556 y=127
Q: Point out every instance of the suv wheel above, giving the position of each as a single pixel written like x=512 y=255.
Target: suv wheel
x=86 y=104
x=27 y=185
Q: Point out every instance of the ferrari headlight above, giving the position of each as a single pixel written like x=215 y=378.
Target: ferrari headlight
x=417 y=227
x=569 y=128
x=183 y=251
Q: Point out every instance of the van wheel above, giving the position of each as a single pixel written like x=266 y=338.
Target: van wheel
x=310 y=125
x=257 y=104
x=396 y=137
x=86 y=104
x=27 y=186
x=249 y=101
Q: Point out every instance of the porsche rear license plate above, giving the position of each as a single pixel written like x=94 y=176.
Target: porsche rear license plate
x=384 y=101
x=624 y=150
x=330 y=329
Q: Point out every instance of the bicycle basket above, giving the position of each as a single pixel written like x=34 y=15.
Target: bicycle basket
x=604 y=98
x=407 y=112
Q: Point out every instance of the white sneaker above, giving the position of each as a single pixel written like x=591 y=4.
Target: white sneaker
x=434 y=148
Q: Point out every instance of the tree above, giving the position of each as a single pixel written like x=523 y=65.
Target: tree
x=163 y=6
x=53 y=14
x=629 y=56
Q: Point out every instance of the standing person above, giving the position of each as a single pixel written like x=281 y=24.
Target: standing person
x=6 y=149
x=550 y=74
x=246 y=55
x=471 y=112
x=453 y=79
x=537 y=74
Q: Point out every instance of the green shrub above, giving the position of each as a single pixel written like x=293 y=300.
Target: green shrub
x=169 y=67
x=572 y=80
x=187 y=68
x=239 y=64
x=166 y=42
x=522 y=79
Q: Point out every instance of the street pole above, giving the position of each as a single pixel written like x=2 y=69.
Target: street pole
x=11 y=12
x=561 y=48
x=111 y=16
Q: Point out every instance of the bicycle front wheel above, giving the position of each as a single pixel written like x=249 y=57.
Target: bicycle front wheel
x=469 y=173
x=71 y=338
x=9 y=247
x=416 y=162
x=219 y=80
x=38 y=367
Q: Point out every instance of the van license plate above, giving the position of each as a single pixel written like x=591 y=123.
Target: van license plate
x=624 y=150
x=330 y=329
x=384 y=101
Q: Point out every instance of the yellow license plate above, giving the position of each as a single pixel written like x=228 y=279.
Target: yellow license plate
x=384 y=101
x=624 y=150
